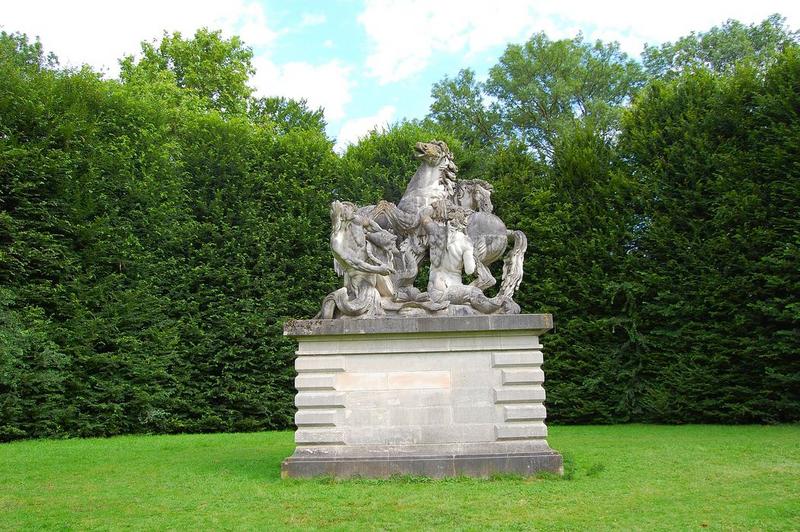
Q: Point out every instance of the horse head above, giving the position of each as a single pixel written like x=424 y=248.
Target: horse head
x=475 y=194
x=436 y=154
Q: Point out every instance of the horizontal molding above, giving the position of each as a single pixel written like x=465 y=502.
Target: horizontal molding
x=319 y=381
x=524 y=412
x=486 y=341
x=317 y=436
x=319 y=399
x=448 y=325
x=519 y=431
x=531 y=357
x=305 y=363
x=315 y=417
x=522 y=376
x=519 y=394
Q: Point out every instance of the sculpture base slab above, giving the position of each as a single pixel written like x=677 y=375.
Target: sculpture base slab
x=483 y=466
x=435 y=397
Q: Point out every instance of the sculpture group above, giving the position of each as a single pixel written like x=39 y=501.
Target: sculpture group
x=379 y=249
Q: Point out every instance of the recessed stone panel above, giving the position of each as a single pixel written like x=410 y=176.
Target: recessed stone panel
x=361 y=381
x=519 y=394
x=516 y=358
x=317 y=436
x=315 y=417
x=319 y=363
x=439 y=416
x=319 y=399
x=520 y=431
x=311 y=381
x=522 y=376
x=524 y=412
x=418 y=380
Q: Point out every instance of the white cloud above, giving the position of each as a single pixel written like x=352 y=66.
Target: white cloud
x=634 y=23
x=250 y=23
x=354 y=129
x=405 y=35
x=100 y=32
x=327 y=85
x=312 y=19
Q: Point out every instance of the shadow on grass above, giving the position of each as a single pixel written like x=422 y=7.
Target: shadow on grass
x=571 y=470
x=569 y=474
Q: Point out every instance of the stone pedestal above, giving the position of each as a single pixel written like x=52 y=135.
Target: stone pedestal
x=438 y=397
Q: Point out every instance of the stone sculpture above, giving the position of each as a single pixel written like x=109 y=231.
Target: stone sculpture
x=378 y=249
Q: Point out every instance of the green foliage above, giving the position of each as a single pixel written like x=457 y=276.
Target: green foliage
x=151 y=248
x=208 y=66
x=650 y=253
x=543 y=87
x=286 y=114
x=459 y=106
x=15 y=49
x=577 y=216
x=538 y=91
x=721 y=49
x=33 y=372
x=717 y=251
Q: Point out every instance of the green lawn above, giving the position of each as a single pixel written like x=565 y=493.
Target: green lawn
x=624 y=477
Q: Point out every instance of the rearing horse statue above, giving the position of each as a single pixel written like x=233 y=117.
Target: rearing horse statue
x=450 y=223
x=435 y=180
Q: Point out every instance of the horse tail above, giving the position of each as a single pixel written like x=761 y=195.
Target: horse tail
x=512 y=264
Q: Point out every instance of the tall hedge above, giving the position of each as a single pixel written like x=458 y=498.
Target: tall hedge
x=151 y=249
x=154 y=238
x=717 y=252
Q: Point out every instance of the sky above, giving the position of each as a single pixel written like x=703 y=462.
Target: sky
x=368 y=63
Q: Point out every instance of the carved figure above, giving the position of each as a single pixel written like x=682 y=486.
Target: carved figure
x=378 y=249
x=356 y=241
x=453 y=254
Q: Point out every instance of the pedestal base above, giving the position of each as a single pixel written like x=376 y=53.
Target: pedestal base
x=436 y=397
x=427 y=466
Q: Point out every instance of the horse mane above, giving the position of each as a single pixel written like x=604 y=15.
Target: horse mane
x=447 y=166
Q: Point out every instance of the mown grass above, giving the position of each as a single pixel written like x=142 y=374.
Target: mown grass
x=618 y=477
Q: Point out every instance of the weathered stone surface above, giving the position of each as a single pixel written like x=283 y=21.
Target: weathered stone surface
x=519 y=394
x=522 y=376
x=515 y=431
x=319 y=436
x=319 y=399
x=437 y=466
x=313 y=363
x=416 y=402
x=524 y=412
x=315 y=381
x=535 y=324
x=517 y=358
x=315 y=417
